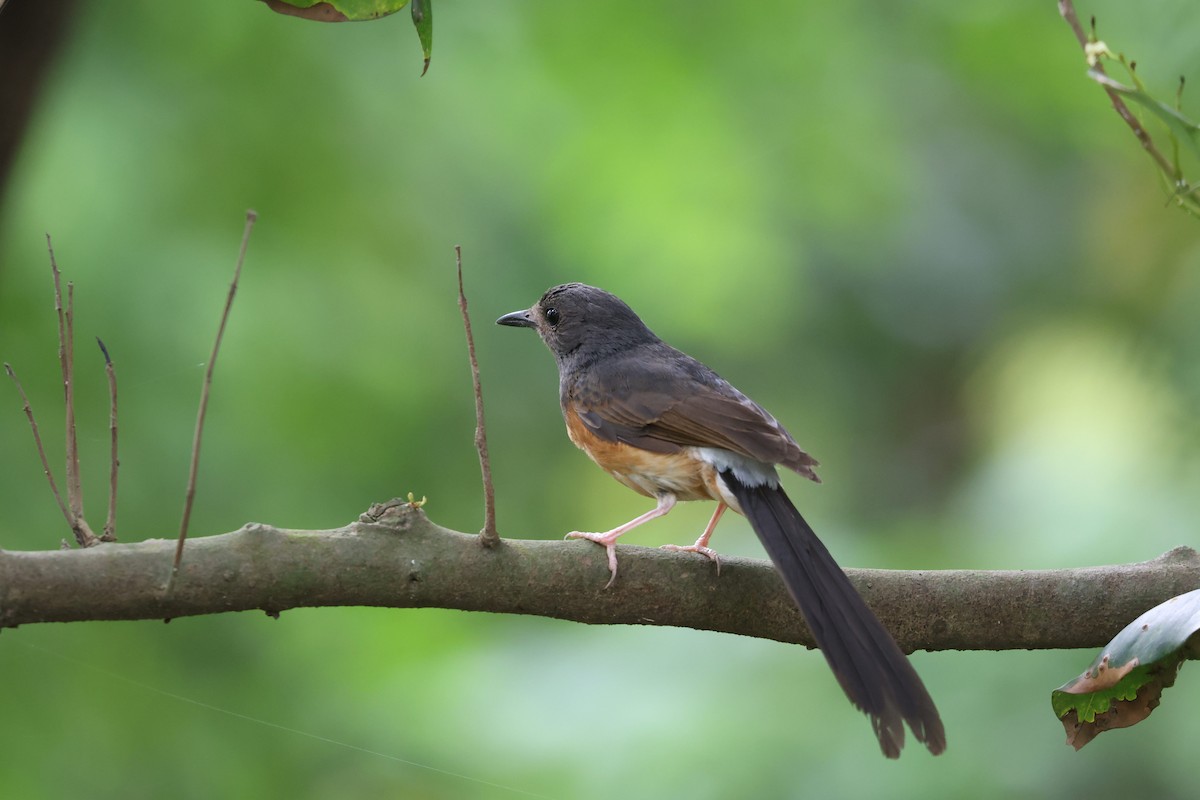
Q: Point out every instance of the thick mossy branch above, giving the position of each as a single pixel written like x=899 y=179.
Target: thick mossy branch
x=395 y=557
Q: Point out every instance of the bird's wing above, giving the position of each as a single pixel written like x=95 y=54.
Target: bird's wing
x=684 y=405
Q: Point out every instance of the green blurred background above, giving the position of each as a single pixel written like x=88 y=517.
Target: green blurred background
x=917 y=233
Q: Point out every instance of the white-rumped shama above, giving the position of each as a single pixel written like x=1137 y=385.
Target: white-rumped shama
x=670 y=428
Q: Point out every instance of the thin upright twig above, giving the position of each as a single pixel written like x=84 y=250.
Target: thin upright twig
x=37 y=439
x=58 y=307
x=110 y=524
x=66 y=323
x=251 y=217
x=74 y=485
x=488 y=537
x=64 y=364
x=1066 y=8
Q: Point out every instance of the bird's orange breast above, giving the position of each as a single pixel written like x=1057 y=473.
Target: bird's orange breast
x=646 y=472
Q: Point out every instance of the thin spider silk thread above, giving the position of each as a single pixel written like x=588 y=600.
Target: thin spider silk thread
x=295 y=731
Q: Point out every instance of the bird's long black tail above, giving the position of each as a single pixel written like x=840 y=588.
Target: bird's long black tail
x=874 y=673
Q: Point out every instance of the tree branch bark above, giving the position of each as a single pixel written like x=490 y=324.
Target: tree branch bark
x=395 y=557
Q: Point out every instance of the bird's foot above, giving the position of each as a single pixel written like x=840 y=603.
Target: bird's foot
x=703 y=550
x=610 y=545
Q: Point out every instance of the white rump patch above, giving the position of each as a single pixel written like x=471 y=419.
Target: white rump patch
x=746 y=470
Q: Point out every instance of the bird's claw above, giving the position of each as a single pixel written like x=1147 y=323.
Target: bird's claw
x=610 y=547
x=707 y=552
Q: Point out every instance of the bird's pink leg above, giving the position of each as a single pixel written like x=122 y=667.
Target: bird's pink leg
x=701 y=545
x=666 y=501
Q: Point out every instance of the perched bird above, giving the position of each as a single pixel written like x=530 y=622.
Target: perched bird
x=670 y=428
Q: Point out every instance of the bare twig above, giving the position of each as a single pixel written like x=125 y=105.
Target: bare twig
x=58 y=307
x=1066 y=8
x=37 y=439
x=63 y=363
x=488 y=537
x=66 y=323
x=74 y=485
x=110 y=524
x=251 y=217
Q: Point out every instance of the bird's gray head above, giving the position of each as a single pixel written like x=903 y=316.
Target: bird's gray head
x=580 y=321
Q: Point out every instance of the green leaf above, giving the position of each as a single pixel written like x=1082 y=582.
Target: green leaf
x=1124 y=684
x=422 y=17
x=359 y=10
x=337 y=10
x=1182 y=128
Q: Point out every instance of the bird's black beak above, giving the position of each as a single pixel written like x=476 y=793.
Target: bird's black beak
x=518 y=319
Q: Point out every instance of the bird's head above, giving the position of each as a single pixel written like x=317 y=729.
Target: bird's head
x=575 y=320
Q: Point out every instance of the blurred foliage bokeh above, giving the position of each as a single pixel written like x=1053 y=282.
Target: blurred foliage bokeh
x=917 y=233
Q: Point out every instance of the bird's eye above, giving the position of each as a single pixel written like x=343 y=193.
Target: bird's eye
x=552 y=316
